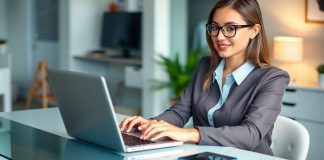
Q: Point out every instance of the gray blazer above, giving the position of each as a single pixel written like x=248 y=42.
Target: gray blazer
x=245 y=120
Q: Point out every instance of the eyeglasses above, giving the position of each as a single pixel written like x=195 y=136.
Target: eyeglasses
x=228 y=31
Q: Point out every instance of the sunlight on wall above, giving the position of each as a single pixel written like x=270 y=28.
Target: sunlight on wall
x=290 y=17
x=287 y=18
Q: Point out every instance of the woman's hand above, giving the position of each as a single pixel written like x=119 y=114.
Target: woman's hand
x=159 y=129
x=135 y=121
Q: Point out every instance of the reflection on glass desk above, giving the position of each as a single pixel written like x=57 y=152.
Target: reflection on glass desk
x=40 y=134
x=24 y=142
x=20 y=141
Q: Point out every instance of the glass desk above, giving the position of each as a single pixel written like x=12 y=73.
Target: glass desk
x=40 y=134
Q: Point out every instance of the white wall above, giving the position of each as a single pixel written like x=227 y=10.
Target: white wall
x=3 y=19
x=287 y=18
x=85 y=25
x=19 y=46
x=80 y=28
x=198 y=11
x=179 y=28
x=64 y=36
x=156 y=40
x=19 y=25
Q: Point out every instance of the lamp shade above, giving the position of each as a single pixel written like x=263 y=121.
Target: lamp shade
x=288 y=49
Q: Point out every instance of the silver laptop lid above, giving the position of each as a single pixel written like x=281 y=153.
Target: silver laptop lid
x=86 y=108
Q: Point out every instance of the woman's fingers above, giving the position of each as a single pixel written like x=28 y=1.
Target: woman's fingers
x=149 y=127
x=124 y=123
x=153 y=128
x=129 y=122
x=135 y=122
x=145 y=124
x=160 y=135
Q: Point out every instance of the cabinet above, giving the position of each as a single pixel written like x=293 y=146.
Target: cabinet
x=306 y=105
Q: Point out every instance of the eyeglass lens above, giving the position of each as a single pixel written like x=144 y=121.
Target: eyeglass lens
x=227 y=30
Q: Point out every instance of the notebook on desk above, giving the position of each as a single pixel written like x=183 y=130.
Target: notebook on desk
x=88 y=113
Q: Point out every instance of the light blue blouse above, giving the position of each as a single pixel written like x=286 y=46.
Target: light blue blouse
x=237 y=76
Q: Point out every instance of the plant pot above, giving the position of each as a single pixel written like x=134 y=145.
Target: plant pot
x=321 y=80
x=3 y=49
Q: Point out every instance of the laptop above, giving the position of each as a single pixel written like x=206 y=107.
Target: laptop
x=88 y=113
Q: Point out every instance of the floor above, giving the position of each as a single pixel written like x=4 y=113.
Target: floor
x=20 y=104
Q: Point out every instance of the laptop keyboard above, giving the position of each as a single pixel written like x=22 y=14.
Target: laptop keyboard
x=134 y=141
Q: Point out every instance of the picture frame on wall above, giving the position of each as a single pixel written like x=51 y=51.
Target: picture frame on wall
x=314 y=11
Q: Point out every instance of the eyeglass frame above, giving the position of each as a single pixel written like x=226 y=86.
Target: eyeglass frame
x=221 y=28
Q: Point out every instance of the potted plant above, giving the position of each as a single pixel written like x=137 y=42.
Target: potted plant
x=320 y=70
x=2 y=46
x=179 y=75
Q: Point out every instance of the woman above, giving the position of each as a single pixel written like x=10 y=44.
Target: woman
x=235 y=95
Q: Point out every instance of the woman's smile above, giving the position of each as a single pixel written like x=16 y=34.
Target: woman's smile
x=223 y=46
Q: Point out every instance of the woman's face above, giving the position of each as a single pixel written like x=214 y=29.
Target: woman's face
x=234 y=46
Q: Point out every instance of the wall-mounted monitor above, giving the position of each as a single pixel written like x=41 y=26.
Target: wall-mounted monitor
x=121 y=30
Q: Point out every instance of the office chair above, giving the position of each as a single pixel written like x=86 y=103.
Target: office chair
x=290 y=139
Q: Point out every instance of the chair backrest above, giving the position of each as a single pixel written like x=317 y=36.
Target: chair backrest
x=290 y=139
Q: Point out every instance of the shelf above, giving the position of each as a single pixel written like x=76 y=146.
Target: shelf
x=107 y=59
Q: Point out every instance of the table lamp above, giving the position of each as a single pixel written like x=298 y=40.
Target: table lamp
x=289 y=50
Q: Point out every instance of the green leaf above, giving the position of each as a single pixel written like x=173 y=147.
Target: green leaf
x=2 y=41
x=179 y=75
x=320 y=68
